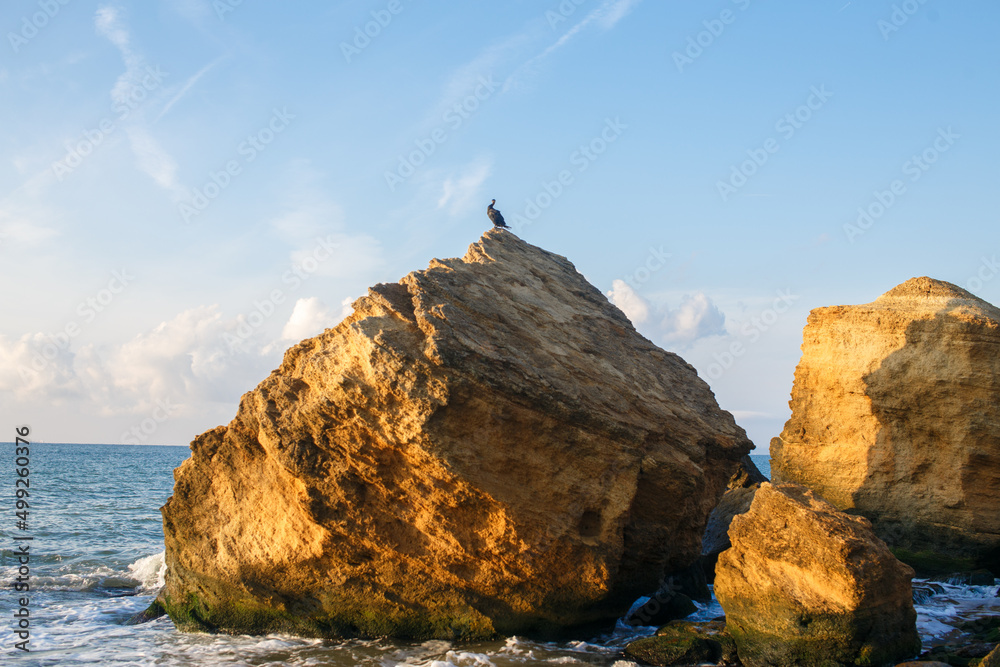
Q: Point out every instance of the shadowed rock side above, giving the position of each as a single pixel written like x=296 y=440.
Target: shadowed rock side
x=806 y=584
x=896 y=416
x=736 y=500
x=486 y=447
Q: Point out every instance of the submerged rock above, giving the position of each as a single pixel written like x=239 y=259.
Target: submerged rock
x=486 y=447
x=806 y=584
x=993 y=659
x=896 y=416
x=681 y=643
x=154 y=611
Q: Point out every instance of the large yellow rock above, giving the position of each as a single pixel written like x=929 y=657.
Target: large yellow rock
x=806 y=584
x=486 y=447
x=896 y=416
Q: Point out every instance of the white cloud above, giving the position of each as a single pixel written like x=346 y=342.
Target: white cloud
x=22 y=227
x=109 y=24
x=750 y=414
x=311 y=317
x=607 y=15
x=459 y=193
x=153 y=159
x=315 y=226
x=633 y=305
x=696 y=317
x=188 y=360
x=615 y=11
x=150 y=156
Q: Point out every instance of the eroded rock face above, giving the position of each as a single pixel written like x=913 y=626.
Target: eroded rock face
x=486 y=447
x=741 y=488
x=806 y=584
x=896 y=416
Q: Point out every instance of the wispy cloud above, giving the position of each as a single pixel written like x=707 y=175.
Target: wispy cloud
x=23 y=227
x=150 y=156
x=109 y=24
x=186 y=87
x=607 y=15
x=310 y=214
x=458 y=192
x=311 y=316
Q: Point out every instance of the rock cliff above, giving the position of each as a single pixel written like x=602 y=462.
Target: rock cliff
x=806 y=584
x=487 y=446
x=896 y=416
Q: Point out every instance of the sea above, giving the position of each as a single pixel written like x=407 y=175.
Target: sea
x=96 y=559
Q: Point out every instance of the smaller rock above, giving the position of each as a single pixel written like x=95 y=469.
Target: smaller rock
x=981 y=578
x=965 y=654
x=923 y=663
x=691 y=582
x=922 y=592
x=993 y=659
x=985 y=629
x=681 y=643
x=150 y=613
x=806 y=584
x=742 y=485
x=662 y=608
x=716 y=538
x=973 y=578
x=747 y=475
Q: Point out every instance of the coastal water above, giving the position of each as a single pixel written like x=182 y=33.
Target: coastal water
x=96 y=558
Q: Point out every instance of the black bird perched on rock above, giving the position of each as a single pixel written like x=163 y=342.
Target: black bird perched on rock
x=495 y=217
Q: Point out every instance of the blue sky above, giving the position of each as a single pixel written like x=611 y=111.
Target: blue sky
x=188 y=187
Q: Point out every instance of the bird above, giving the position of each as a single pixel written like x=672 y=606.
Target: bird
x=495 y=217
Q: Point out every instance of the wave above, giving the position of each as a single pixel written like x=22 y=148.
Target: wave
x=150 y=571
x=143 y=577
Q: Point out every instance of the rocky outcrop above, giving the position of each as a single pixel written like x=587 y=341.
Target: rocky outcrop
x=747 y=475
x=896 y=416
x=806 y=584
x=742 y=486
x=486 y=447
x=993 y=659
x=682 y=643
x=716 y=539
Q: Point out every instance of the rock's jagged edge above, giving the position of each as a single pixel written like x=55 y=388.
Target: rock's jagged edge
x=487 y=447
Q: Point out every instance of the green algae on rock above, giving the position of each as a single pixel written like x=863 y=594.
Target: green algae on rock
x=685 y=643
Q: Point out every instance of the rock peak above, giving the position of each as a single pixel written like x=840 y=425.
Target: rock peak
x=500 y=245
x=928 y=288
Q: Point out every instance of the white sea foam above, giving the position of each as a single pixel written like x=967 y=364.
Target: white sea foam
x=150 y=571
x=940 y=614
